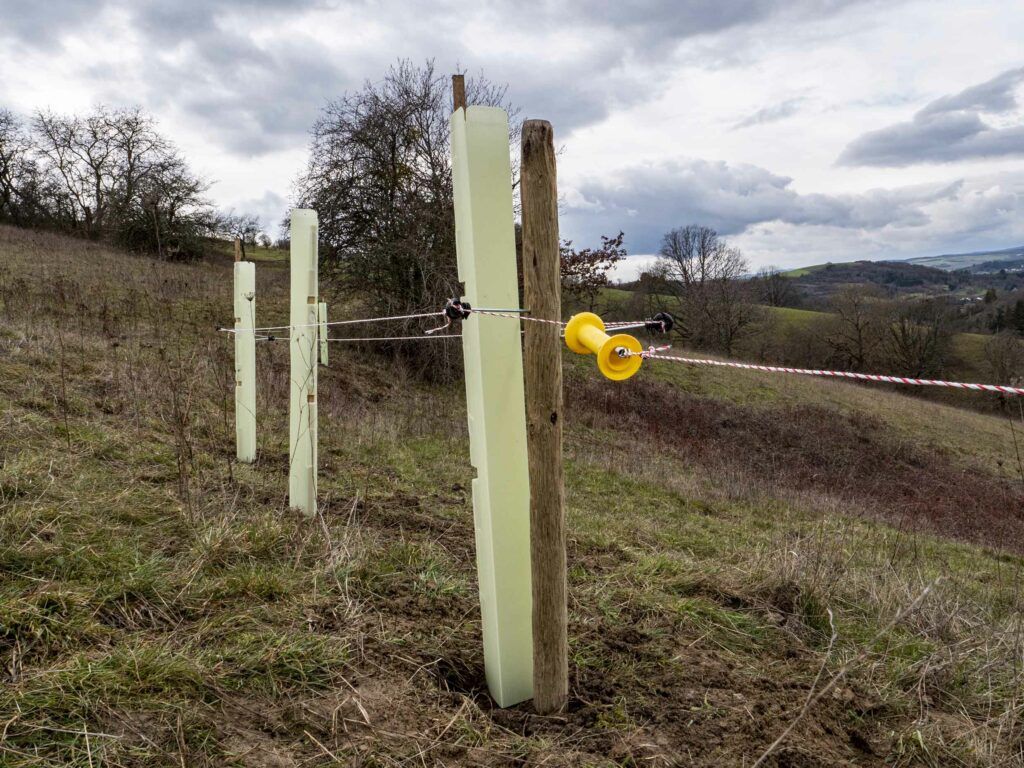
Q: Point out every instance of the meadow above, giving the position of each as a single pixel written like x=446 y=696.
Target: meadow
x=747 y=554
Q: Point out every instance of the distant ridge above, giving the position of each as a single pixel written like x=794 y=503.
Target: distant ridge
x=971 y=261
x=979 y=262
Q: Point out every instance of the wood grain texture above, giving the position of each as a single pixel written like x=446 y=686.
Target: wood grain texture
x=543 y=371
x=458 y=92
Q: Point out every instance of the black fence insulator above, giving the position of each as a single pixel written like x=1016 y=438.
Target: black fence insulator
x=660 y=323
x=456 y=309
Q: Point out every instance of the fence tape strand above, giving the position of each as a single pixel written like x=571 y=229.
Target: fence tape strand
x=877 y=377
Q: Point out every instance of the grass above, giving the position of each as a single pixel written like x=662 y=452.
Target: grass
x=160 y=605
x=790 y=317
x=802 y=271
x=224 y=249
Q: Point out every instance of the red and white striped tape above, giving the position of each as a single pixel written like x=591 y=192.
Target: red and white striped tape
x=1005 y=390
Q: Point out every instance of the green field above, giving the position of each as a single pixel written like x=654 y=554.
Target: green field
x=801 y=271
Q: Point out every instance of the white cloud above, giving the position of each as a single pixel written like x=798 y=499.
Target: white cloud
x=646 y=99
x=949 y=128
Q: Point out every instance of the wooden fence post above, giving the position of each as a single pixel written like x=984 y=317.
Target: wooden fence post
x=458 y=92
x=543 y=352
x=302 y=412
x=485 y=244
x=245 y=360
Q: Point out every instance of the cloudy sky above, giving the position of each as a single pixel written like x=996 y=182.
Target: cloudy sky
x=804 y=130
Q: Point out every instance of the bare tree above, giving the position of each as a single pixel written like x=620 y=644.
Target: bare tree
x=1004 y=353
x=379 y=177
x=585 y=272
x=774 y=288
x=855 y=335
x=81 y=153
x=245 y=227
x=22 y=186
x=703 y=273
x=110 y=174
x=142 y=154
x=918 y=337
x=171 y=215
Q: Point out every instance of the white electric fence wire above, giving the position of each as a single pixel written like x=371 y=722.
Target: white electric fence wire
x=401 y=338
x=336 y=322
x=623 y=326
x=493 y=313
x=653 y=354
x=513 y=314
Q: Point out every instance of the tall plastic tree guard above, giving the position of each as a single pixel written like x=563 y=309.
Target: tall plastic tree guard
x=302 y=412
x=245 y=361
x=485 y=243
x=322 y=317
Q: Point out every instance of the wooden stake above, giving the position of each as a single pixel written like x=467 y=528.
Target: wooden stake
x=302 y=412
x=485 y=245
x=458 y=92
x=238 y=249
x=543 y=358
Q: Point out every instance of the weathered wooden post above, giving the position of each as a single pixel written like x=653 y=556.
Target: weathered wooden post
x=302 y=412
x=245 y=358
x=543 y=353
x=485 y=243
x=458 y=92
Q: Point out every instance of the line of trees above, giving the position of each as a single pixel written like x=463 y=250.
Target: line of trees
x=867 y=331
x=107 y=175
x=720 y=307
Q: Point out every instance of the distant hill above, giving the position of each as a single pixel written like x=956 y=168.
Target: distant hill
x=898 y=277
x=977 y=261
x=965 y=275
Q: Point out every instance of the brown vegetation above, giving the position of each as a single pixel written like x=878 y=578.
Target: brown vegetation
x=160 y=606
x=852 y=457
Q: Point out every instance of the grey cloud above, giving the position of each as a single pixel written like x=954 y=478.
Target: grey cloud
x=947 y=129
x=770 y=114
x=169 y=22
x=255 y=98
x=42 y=23
x=254 y=95
x=646 y=201
x=647 y=26
x=995 y=95
x=271 y=208
x=250 y=98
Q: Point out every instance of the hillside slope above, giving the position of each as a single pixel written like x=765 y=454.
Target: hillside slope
x=734 y=538
x=971 y=260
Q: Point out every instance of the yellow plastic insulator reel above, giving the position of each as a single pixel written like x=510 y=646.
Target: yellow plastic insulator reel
x=584 y=334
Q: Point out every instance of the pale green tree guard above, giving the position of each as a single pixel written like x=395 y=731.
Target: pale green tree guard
x=245 y=361
x=323 y=333
x=304 y=322
x=485 y=245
